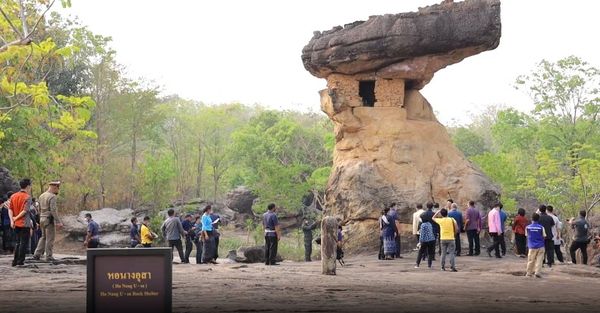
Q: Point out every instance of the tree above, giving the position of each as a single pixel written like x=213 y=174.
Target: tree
x=468 y=141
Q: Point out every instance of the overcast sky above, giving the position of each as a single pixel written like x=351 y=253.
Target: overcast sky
x=249 y=51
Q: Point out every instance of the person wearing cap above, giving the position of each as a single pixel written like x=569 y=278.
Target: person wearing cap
x=49 y=220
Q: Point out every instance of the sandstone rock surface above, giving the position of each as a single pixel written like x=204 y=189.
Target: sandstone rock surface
x=240 y=200
x=389 y=145
x=114 y=226
x=410 y=45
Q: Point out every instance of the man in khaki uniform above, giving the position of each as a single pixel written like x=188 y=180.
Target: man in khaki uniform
x=48 y=220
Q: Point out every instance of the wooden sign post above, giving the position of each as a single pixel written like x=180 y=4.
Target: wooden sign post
x=129 y=280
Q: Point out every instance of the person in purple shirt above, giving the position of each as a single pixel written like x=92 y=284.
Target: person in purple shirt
x=134 y=233
x=473 y=228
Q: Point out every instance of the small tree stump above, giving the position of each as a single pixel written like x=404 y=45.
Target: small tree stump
x=328 y=245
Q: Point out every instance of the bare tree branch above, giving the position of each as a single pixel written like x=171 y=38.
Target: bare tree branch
x=41 y=17
x=15 y=29
x=23 y=19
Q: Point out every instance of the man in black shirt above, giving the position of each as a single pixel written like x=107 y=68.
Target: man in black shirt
x=547 y=222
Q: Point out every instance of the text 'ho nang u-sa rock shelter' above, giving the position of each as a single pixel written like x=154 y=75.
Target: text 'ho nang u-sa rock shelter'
x=389 y=145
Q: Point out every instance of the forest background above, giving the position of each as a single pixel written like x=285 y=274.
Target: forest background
x=69 y=111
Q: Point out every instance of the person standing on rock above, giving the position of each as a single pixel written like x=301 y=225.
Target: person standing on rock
x=388 y=233
x=473 y=228
x=548 y=222
x=147 y=236
x=49 y=221
x=307 y=229
x=173 y=231
x=556 y=237
x=272 y=234
x=458 y=218
x=448 y=230
x=536 y=235
x=92 y=238
x=20 y=217
x=495 y=230
x=208 y=237
x=581 y=238
x=519 y=225
x=189 y=237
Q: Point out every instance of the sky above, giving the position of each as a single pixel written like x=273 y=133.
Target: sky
x=249 y=51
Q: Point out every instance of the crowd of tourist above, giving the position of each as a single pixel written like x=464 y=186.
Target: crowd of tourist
x=29 y=226
x=538 y=240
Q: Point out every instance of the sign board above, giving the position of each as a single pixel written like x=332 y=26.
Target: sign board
x=129 y=280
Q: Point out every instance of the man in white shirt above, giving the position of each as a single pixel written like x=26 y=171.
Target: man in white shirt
x=416 y=221
x=556 y=237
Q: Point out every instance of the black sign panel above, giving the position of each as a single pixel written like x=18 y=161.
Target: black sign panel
x=129 y=280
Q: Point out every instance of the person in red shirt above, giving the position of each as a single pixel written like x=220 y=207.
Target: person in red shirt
x=519 y=225
x=20 y=219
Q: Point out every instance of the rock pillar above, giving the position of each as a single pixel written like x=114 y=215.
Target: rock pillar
x=328 y=245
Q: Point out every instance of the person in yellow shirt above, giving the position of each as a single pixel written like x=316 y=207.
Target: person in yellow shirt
x=147 y=235
x=448 y=229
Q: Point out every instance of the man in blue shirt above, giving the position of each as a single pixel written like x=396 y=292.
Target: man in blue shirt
x=457 y=216
x=187 y=225
x=536 y=235
x=272 y=234
x=208 y=238
x=503 y=218
x=92 y=238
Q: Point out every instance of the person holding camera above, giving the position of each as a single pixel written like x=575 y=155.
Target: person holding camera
x=581 y=238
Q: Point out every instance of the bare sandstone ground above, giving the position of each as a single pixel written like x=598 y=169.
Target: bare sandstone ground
x=364 y=285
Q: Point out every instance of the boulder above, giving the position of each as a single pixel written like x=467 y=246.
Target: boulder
x=411 y=45
x=254 y=254
x=240 y=200
x=7 y=183
x=389 y=146
x=114 y=226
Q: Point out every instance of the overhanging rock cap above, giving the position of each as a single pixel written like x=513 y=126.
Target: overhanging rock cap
x=435 y=37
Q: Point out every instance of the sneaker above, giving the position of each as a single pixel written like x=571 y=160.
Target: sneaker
x=50 y=259
x=454 y=270
x=35 y=258
x=489 y=253
x=443 y=269
x=538 y=276
x=416 y=266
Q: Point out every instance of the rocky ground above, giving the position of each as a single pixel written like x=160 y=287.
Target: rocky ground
x=481 y=285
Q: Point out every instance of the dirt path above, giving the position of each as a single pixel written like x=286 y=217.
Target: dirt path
x=481 y=285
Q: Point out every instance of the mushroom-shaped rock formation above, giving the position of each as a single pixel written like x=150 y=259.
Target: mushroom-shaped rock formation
x=389 y=145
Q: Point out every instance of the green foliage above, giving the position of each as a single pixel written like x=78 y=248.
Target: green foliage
x=468 y=142
x=156 y=179
x=281 y=155
x=552 y=153
x=155 y=226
